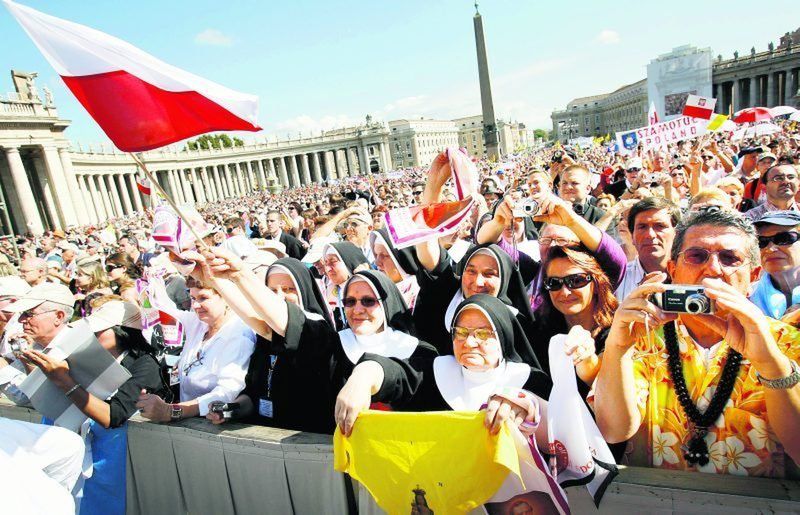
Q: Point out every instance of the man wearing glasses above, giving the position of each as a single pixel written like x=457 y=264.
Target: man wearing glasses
x=781 y=184
x=779 y=286
x=633 y=170
x=44 y=312
x=717 y=393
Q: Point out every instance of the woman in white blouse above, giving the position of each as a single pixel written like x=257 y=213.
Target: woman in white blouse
x=213 y=362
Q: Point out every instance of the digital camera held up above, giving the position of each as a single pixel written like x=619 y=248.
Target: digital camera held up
x=525 y=208
x=684 y=298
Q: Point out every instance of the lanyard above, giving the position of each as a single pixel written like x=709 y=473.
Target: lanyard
x=272 y=360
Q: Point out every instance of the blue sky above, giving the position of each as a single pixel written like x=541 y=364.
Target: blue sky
x=318 y=64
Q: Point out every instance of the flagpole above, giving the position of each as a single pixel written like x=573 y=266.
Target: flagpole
x=202 y=244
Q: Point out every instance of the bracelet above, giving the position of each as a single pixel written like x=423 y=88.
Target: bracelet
x=783 y=383
x=72 y=390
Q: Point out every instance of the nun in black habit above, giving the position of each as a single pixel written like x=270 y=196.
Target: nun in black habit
x=482 y=362
x=484 y=269
x=399 y=264
x=340 y=260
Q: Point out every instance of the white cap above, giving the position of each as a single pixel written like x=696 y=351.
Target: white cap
x=45 y=292
x=114 y=313
x=13 y=286
x=634 y=162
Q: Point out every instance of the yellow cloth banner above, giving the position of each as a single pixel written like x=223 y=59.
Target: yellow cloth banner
x=446 y=462
x=716 y=122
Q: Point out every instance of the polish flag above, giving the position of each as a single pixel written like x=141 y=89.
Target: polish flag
x=139 y=101
x=699 y=107
x=652 y=114
x=143 y=185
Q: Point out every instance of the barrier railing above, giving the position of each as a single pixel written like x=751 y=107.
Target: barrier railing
x=195 y=467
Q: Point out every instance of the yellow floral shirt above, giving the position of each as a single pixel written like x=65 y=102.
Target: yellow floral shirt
x=741 y=442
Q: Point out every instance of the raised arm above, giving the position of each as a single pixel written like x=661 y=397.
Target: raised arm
x=554 y=210
x=440 y=172
x=328 y=227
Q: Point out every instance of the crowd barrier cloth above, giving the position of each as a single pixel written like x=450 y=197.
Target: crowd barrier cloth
x=195 y=467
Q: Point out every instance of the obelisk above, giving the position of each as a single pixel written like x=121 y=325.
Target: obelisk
x=489 y=124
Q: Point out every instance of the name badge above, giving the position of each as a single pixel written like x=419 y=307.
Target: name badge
x=173 y=376
x=265 y=408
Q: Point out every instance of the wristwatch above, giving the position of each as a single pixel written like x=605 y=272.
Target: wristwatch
x=176 y=412
x=784 y=383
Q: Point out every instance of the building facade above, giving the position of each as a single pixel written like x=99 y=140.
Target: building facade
x=512 y=136
x=768 y=78
x=417 y=142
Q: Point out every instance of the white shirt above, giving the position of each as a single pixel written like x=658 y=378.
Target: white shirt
x=634 y=273
x=213 y=370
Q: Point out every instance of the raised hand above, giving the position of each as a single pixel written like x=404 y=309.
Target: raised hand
x=636 y=316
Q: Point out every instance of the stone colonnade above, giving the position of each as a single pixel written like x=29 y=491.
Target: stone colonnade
x=769 y=89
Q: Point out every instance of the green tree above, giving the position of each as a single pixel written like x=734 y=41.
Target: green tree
x=541 y=133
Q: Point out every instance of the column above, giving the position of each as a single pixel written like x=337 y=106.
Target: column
x=771 y=83
x=282 y=176
x=115 y=198
x=105 y=196
x=217 y=182
x=52 y=217
x=63 y=198
x=173 y=189
x=244 y=171
x=87 y=199
x=97 y=196
x=180 y=182
x=30 y=215
x=352 y=162
x=717 y=89
x=126 y=198
x=72 y=183
x=330 y=165
x=262 y=178
x=362 y=161
x=199 y=187
x=341 y=164
x=137 y=198
x=238 y=179
x=295 y=175
x=740 y=101
x=306 y=171
x=315 y=168
x=231 y=180
x=754 y=83
x=208 y=185
x=187 y=186
x=387 y=163
x=791 y=87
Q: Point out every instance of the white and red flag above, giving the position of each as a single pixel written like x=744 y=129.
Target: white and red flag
x=652 y=114
x=139 y=101
x=699 y=107
x=143 y=185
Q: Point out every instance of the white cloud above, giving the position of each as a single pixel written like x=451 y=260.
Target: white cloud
x=213 y=37
x=608 y=37
x=306 y=124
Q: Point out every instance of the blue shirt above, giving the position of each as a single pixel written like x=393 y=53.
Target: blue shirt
x=771 y=300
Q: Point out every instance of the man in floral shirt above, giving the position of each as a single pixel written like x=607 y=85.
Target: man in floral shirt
x=715 y=393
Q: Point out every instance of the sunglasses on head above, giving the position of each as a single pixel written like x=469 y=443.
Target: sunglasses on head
x=699 y=256
x=573 y=282
x=367 y=302
x=783 y=239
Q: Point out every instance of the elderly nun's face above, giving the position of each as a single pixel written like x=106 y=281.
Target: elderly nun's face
x=475 y=343
x=335 y=269
x=363 y=310
x=481 y=275
x=283 y=285
x=385 y=263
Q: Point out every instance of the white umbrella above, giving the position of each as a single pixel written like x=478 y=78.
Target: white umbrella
x=754 y=131
x=728 y=126
x=782 y=110
x=795 y=117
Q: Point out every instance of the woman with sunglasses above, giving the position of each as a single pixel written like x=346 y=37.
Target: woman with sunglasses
x=123 y=272
x=91 y=282
x=340 y=261
x=214 y=360
x=778 y=289
x=400 y=265
x=379 y=328
x=577 y=298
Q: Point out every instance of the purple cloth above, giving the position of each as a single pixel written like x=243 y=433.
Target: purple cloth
x=609 y=256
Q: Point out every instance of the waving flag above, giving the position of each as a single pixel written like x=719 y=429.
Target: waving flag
x=143 y=185
x=652 y=114
x=139 y=101
x=699 y=107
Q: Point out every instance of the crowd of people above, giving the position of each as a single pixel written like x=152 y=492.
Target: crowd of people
x=298 y=311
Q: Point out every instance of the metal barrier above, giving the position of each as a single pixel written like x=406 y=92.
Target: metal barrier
x=195 y=467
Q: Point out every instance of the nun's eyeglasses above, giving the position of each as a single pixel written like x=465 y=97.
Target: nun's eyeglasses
x=367 y=302
x=573 y=282
x=481 y=333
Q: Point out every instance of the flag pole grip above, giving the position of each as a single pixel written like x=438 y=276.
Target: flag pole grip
x=202 y=244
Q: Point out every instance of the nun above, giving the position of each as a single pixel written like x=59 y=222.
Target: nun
x=482 y=370
x=340 y=261
x=278 y=392
x=485 y=269
x=399 y=264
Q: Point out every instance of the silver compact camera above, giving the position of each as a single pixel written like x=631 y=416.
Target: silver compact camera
x=18 y=346
x=684 y=298
x=525 y=208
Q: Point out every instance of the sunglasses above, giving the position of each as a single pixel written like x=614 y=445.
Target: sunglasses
x=229 y=230
x=111 y=268
x=783 y=239
x=573 y=282
x=699 y=256
x=633 y=170
x=25 y=315
x=418 y=192
x=462 y=333
x=367 y=302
